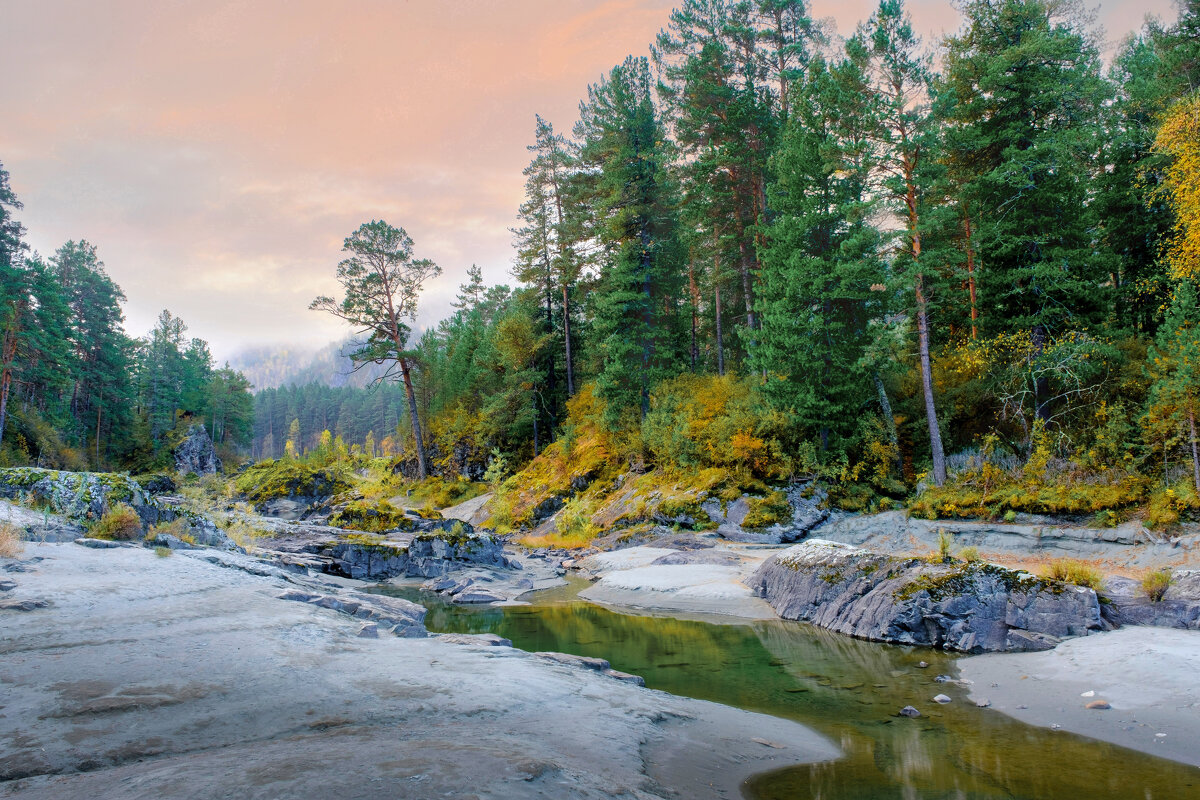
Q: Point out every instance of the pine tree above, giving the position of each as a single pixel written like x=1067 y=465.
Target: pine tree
x=820 y=258
x=1173 y=366
x=382 y=282
x=635 y=301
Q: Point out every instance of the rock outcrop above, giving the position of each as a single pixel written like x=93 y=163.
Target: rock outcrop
x=82 y=496
x=431 y=552
x=195 y=454
x=803 y=513
x=971 y=607
x=1178 y=608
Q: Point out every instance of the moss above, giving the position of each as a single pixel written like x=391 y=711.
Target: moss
x=285 y=478
x=373 y=517
x=766 y=511
x=832 y=576
x=963 y=578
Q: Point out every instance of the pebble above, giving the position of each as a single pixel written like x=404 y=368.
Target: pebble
x=942 y=679
x=1091 y=693
x=1022 y=707
x=983 y=702
x=941 y=698
x=1160 y=736
x=909 y=711
x=922 y=665
x=1054 y=726
x=1099 y=704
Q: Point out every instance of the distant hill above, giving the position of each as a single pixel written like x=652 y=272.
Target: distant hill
x=272 y=367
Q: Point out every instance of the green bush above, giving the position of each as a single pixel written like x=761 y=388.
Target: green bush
x=372 y=517
x=272 y=480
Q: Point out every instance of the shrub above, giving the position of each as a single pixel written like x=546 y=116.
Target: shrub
x=10 y=541
x=162 y=552
x=766 y=511
x=271 y=480
x=243 y=535
x=969 y=554
x=1069 y=570
x=1156 y=583
x=120 y=522
x=1171 y=504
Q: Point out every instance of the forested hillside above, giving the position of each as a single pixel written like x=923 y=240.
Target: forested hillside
x=76 y=392
x=960 y=265
x=907 y=269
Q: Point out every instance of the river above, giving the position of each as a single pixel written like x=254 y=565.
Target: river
x=849 y=690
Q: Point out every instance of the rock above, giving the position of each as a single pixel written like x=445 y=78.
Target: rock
x=968 y=607
x=401 y=616
x=943 y=679
x=941 y=699
x=31 y=604
x=1088 y=693
x=167 y=540
x=1099 y=705
x=983 y=702
x=586 y=662
x=195 y=455
x=484 y=639
x=909 y=711
x=369 y=630
x=477 y=594
x=101 y=544
x=160 y=483
x=40 y=526
x=636 y=680
x=83 y=496
x=922 y=665
x=7 y=586
x=806 y=514
x=1179 y=607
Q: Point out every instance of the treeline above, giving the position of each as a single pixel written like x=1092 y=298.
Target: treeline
x=899 y=258
x=76 y=392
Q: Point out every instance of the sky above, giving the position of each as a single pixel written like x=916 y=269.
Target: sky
x=217 y=153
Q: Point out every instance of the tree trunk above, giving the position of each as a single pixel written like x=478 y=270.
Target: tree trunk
x=418 y=436
x=567 y=341
x=694 y=295
x=1041 y=384
x=533 y=403
x=889 y=417
x=935 y=433
x=1195 y=452
x=970 y=248
x=9 y=354
x=99 y=407
x=745 y=265
x=720 y=344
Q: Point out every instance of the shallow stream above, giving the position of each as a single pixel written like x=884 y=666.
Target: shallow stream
x=847 y=689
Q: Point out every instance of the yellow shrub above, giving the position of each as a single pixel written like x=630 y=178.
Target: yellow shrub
x=10 y=541
x=120 y=522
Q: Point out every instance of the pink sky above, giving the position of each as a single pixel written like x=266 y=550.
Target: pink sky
x=217 y=153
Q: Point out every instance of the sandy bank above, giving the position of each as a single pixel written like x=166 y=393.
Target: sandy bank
x=1147 y=675
x=177 y=678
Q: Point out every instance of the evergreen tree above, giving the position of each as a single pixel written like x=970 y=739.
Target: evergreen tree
x=820 y=258
x=635 y=302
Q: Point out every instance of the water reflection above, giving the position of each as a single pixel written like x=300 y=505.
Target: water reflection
x=847 y=689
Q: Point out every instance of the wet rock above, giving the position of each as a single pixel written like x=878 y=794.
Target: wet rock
x=636 y=680
x=909 y=711
x=941 y=699
x=1099 y=705
x=586 y=662
x=195 y=454
x=969 y=607
x=983 y=702
x=484 y=639
x=478 y=594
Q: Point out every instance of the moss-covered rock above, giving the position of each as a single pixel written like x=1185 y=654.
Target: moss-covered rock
x=288 y=478
x=371 y=516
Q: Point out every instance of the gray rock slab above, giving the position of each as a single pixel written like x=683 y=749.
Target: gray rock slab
x=190 y=680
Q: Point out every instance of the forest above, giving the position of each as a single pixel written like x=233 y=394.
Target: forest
x=965 y=266
x=76 y=391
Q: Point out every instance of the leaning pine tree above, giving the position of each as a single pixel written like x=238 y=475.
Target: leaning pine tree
x=382 y=281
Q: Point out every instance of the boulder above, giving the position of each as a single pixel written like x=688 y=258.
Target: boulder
x=1179 y=607
x=195 y=454
x=805 y=510
x=970 y=607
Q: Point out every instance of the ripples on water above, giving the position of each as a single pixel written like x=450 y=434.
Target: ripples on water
x=847 y=689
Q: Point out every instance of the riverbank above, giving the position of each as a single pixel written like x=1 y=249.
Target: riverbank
x=174 y=677
x=1135 y=687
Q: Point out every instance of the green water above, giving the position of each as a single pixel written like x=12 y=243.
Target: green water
x=848 y=690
